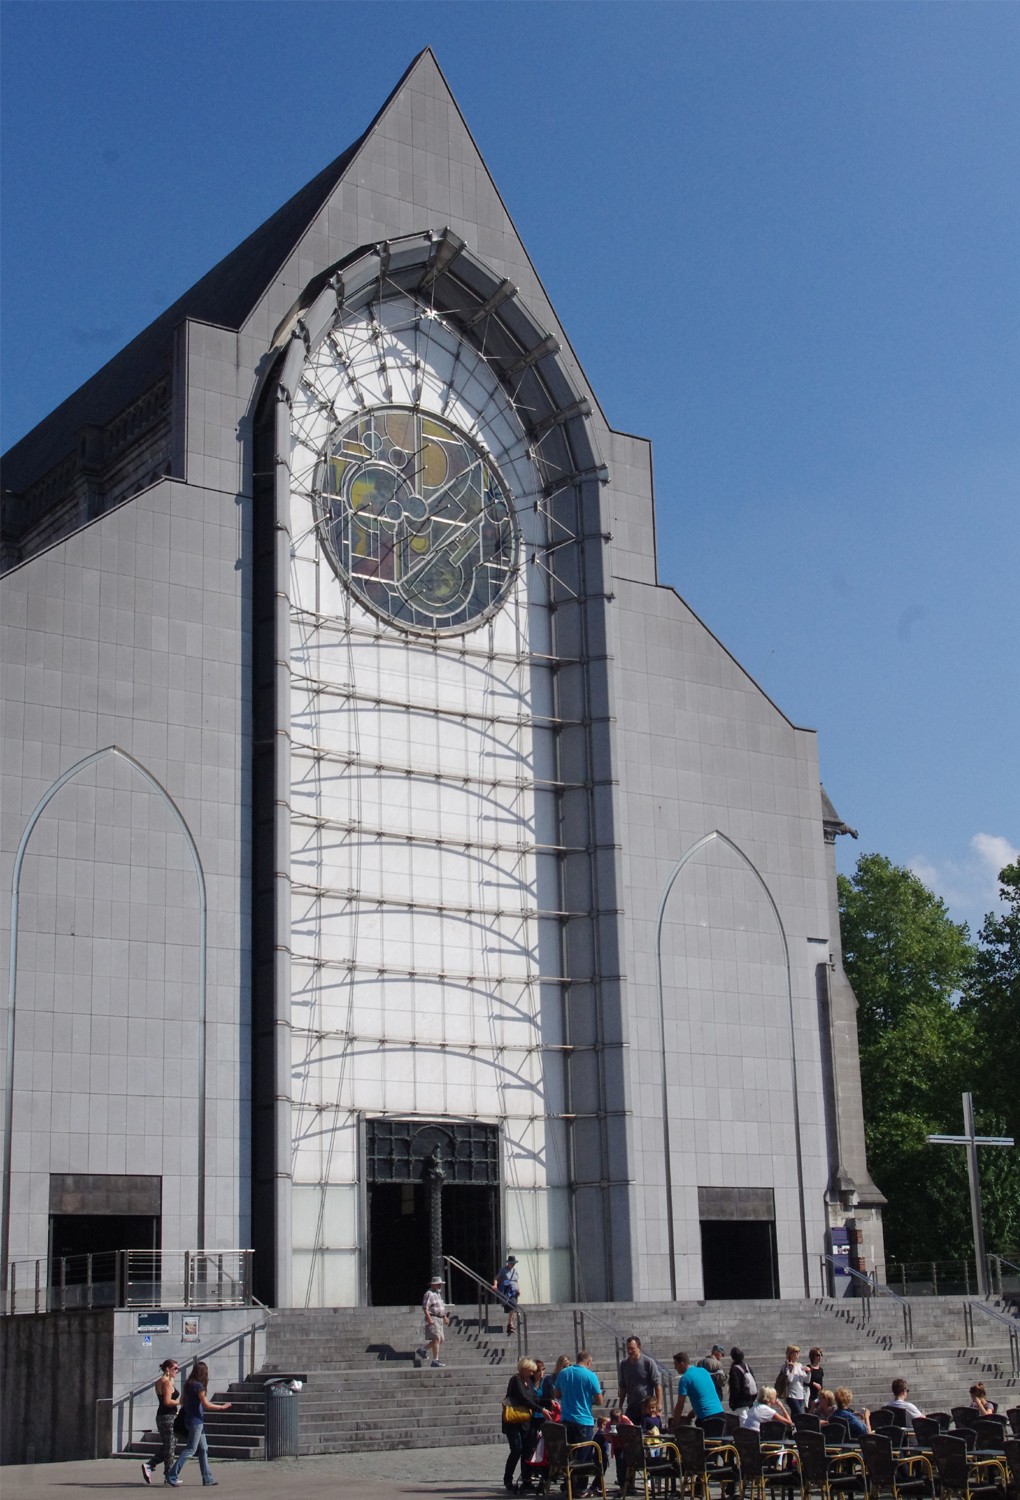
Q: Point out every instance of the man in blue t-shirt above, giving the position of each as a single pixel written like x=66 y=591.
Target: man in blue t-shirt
x=579 y=1389
x=697 y=1386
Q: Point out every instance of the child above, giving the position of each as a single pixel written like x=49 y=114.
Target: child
x=651 y=1421
x=604 y=1438
x=617 y=1419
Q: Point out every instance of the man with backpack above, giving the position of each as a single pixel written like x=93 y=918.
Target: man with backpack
x=507 y=1289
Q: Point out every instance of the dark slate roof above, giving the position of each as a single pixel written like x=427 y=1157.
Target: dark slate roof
x=225 y=296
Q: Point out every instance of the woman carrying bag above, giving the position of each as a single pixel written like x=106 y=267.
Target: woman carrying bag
x=520 y=1404
x=194 y=1406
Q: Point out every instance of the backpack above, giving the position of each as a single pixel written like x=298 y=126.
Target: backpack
x=743 y=1387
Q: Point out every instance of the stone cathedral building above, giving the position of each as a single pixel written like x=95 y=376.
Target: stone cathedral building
x=381 y=838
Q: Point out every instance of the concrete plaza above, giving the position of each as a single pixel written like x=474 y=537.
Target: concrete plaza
x=468 y=1473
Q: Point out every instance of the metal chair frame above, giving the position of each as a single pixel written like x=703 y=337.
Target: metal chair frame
x=892 y=1472
x=697 y=1472
x=638 y=1451
x=562 y=1461
x=833 y=1471
x=962 y=1473
x=754 y=1470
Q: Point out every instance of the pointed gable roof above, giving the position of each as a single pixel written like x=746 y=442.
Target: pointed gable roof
x=416 y=167
x=225 y=296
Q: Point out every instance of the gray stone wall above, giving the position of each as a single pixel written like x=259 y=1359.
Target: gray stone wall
x=129 y=642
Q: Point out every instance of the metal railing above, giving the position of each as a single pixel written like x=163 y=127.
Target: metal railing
x=487 y=1295
x=867 y=1287
x=942 y=1278
x=122 y=1431
x=996 y=1265
x=581 y=1317
x=1010 y=1324
x=131 y=1278
x=951 y=1278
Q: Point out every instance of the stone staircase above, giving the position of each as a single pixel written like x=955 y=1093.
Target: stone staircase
x=367 y=1388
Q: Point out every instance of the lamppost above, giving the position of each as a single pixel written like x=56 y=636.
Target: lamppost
x=972 y=1142
x=436 y=1177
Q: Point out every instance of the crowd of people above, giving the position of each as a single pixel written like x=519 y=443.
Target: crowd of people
x=574 y=1395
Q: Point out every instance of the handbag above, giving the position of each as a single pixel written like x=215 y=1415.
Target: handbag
x=514 y=1415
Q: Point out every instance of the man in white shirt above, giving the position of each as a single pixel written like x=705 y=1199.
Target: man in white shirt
x=436 y=1318
x=901 y=1390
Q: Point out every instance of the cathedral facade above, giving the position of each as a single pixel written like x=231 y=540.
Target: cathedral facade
x=396 y=867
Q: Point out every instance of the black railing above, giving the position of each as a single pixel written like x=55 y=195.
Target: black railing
x=1011 y=1326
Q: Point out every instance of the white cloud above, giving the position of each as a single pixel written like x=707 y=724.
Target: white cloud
x=995 y=851
x=969 y=886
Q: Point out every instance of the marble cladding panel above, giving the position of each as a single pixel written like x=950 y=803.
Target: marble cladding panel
x=131 y=633
x=701 y=751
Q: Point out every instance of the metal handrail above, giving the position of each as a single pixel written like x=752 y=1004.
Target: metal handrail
x=1000 y=1261
x=147 y=1385
x=620 y=1347
x=195 y=1271
x=870 y=1285
x=487 y=1295
x=1011 y=1324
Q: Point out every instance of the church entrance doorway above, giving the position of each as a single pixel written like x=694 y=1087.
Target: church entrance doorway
x=738 y=1258
x=433 y=1190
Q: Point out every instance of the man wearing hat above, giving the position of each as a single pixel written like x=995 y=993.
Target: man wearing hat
x=713 y=1363
x=436 y=1317
x=507 y=1289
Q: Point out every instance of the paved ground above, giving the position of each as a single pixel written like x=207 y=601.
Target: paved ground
x=466 y=1473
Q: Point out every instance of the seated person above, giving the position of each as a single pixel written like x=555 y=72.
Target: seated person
x=767 y=1408
x=858 y=1424
x=901 y=1391
x=980 y=1402
x=825 y=1406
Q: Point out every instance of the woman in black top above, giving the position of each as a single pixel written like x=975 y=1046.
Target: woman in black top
x=743 y=1386
x=167 y=1395
x=816 y=1377
x=521 y=1436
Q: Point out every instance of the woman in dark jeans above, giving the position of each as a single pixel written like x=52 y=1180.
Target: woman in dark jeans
x=521 y=1436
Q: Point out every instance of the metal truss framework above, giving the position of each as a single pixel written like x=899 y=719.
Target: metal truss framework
x=557 y=444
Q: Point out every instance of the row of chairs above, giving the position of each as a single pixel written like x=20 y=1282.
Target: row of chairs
x=689 y=1466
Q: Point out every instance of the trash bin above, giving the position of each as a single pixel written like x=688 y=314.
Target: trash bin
x=282 y=1407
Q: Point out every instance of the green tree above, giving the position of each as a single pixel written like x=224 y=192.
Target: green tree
x=992 y=1002
x=992 y=996
x=908 y=961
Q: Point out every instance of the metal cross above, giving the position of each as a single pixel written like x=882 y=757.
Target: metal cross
x=972 y=1142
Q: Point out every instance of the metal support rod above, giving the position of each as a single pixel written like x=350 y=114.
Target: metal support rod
x=974 y=1184
x=972 y=1141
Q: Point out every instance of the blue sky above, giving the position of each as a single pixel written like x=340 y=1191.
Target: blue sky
x=782 y=239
